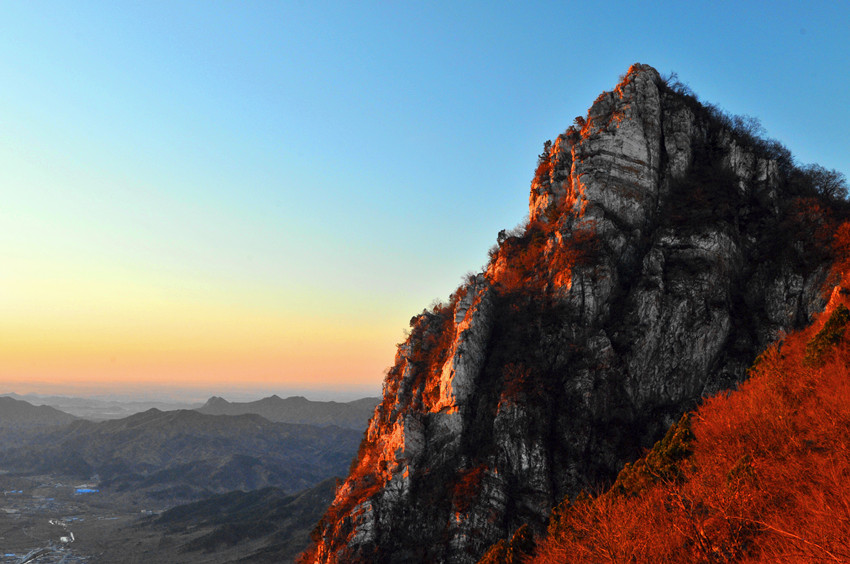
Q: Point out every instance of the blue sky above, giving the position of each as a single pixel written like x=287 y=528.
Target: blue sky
x=277 y=187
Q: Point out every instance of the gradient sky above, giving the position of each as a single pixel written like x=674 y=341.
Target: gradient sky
x=248 y=198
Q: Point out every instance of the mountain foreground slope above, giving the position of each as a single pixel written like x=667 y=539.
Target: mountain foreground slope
x=756 y=475
x=667 y=246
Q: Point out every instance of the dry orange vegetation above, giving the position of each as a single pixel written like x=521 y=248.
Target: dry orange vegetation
x=760 y=474
x=556 y=241
x=522 y=262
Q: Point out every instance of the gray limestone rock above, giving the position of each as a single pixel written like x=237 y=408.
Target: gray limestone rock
x=644 y=281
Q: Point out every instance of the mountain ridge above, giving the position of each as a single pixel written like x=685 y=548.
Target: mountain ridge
x=667 y=245
x=298 y=409
x=184 y=454
x=97 y=409
x=16 y=413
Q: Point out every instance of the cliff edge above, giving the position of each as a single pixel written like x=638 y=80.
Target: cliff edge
x=665 y=248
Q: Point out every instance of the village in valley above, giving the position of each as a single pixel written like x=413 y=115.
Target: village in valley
x=53 y=520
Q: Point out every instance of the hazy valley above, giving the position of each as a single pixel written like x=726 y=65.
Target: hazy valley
x=112 y=482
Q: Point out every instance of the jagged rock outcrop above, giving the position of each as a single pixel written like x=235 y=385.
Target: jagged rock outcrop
x=663 y=251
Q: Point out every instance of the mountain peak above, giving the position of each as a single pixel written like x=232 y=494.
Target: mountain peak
x=650 y=274
x=216 y=401
x=643 y=70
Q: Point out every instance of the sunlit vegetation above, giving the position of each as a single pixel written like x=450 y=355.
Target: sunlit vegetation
x=430 y=345
x=545 y=164
x=755 y=475
x=541 y=256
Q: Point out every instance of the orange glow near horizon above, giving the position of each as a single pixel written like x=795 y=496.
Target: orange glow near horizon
x=119 y=336
x=302 y=364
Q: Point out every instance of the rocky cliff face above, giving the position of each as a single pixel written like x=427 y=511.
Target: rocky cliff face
x=662 y=253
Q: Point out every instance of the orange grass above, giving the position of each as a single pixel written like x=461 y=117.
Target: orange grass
x=768 y=479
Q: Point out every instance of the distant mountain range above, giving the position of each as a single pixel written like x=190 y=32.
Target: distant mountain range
x=17 y=414
x=184 y=454
x=98 y=409
x=240 y=465
x=297 y=409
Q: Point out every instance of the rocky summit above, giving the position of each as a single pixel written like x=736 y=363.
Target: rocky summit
x=666 y=246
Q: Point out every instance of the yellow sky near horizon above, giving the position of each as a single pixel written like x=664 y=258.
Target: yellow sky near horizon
x=123 y=328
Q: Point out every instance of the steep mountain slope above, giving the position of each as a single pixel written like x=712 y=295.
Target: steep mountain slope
x=353 y=415
x=179 y=455
x=666 y=247
x=758 y=475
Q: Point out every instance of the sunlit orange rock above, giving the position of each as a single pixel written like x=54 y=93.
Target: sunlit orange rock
x=664 y=250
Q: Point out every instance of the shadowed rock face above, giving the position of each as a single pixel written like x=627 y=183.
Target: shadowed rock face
x=647 y=278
